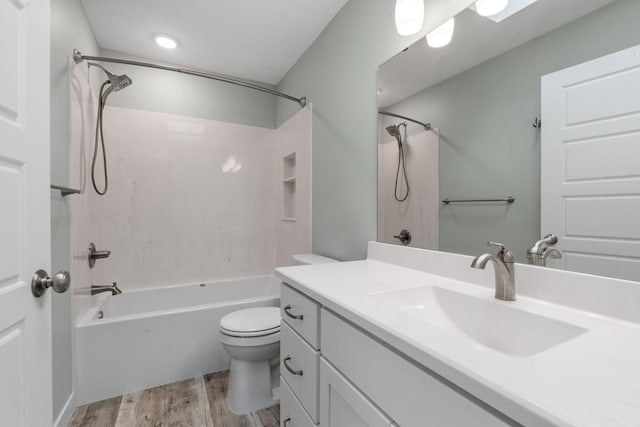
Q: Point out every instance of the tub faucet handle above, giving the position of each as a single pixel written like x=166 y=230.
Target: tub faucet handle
x=94 y=254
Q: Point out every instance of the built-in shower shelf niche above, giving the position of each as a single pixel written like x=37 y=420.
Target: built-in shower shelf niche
x=289 y=187
x=289 y=166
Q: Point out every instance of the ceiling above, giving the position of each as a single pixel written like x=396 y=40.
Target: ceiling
x=250 y=39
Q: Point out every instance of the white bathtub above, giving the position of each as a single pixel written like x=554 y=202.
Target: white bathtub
x=151 y=337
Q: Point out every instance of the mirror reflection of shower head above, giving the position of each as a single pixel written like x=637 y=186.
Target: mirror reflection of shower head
x=394 y=130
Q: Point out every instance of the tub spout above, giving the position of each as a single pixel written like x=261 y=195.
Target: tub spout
x=97 y=289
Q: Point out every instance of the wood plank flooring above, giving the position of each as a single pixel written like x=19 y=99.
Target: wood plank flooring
x=196 y=402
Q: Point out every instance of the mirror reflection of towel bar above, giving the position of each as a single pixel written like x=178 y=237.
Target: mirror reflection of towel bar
x=509 y=199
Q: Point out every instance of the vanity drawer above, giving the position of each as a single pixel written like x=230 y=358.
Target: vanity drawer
x=410 y=395
x=291 y=409
x=302 y=314
x=299 y=366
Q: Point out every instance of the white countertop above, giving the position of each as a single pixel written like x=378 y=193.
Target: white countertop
x=590 y=380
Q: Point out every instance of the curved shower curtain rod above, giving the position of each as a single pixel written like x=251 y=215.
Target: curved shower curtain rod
x=426 y=126
x=79 y=57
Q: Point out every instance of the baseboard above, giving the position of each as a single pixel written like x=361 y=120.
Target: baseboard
x=67 y=412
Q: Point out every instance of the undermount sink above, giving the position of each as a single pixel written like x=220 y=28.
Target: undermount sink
x=490 y=323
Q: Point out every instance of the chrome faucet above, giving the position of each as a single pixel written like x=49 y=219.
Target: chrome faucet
x=97 y=289
x=542 y=250
x=504 y=270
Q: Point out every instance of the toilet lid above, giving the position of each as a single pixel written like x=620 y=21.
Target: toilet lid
x=252 y=321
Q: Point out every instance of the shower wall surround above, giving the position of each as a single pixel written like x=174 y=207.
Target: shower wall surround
x=293 y=161
x=189 y=199
x=82 y=113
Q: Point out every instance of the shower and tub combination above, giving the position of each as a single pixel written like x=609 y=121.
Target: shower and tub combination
x=174 y=213
x=145 y=338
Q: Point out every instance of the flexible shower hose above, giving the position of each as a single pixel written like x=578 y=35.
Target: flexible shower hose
x=401 y=159
x=100 y=139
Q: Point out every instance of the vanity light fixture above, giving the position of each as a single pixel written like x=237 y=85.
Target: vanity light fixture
x=490 y=7
x=409 y=16
x=165 y=41
x=442 y=35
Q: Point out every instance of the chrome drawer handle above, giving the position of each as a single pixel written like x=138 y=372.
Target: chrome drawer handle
x=293 y=371
x=293 y=316
x=286 y=422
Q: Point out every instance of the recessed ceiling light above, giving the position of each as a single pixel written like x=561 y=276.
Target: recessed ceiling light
x=166 y=41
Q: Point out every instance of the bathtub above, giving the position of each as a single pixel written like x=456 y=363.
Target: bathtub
x=144 y=338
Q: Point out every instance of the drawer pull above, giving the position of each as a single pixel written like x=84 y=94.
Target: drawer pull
x=293 y=371
x=293 y=316
x=286 y=421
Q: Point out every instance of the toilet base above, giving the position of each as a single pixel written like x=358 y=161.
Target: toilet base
x=250 y=387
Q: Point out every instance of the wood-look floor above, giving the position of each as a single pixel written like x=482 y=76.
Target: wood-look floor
x=196 y=402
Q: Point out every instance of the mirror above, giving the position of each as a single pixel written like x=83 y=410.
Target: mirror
x=481 y=99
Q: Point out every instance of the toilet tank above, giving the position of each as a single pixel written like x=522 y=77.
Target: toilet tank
x=308 y=259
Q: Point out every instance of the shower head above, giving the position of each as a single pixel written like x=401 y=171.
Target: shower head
x=394 y=130
x=117 y=82
x=120 y=82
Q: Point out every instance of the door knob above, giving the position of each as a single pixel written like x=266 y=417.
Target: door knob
x=41 y=282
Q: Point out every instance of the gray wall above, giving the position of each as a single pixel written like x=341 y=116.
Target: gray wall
x=174 y=93
x=488 y=147
x=69 y=29
x=338 y=75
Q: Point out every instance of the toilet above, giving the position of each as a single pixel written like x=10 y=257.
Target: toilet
x=251 y=337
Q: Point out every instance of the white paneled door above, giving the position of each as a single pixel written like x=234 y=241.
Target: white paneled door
x=25 y=321
x=591 y=164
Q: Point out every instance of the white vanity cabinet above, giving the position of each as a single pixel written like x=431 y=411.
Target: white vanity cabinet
x=410 y=394
x=299 y=368
x=342 y=405
x=299 y=359
x=314 y=392
x=351 y=379
x=292 y=413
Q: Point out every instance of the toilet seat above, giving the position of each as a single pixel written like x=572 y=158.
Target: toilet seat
x=251 y=322
x=253 y=341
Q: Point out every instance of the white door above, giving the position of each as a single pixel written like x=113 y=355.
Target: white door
x=25 y=321
x=591 y=164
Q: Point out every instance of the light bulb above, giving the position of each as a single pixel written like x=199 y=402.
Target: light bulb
x=165 y=41
x=442 y=35
x=490 y=7
x=409 y=16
